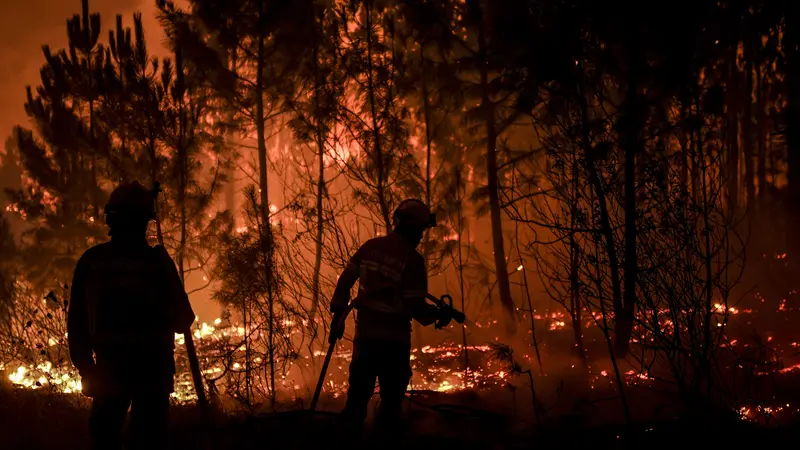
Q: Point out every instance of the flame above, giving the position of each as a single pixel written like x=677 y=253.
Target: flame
x=436 y=367
x=719 y=308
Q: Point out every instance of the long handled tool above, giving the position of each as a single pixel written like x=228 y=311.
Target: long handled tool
x=324 y=370
x=194 y=365
x=321 y=379
x=191 y=352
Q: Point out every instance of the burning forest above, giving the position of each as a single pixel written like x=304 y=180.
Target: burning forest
x=616 y=192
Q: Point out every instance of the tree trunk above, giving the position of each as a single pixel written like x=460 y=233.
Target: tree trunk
x=183 y=166
x=694 y=143
x=574 y=269
x=732 y=137
x=528 y=298
x=498 y=246
x=319 y=82
x=154 y=175
x=761 y=124
x=604 y=313
x=747 y=131
x=318 y=240
x=428 y=194
x=266 y=232
x=230 y=186
x=708 y=311
x=376 y=134
x=791 y=40
x=460 y=226
x=182 y=208
x=630 y=144
x=606 y=231
x=262 y=145
x=87 y=41
x=684 y=176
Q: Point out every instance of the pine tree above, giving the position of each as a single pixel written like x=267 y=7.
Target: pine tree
x=311 y=104
x=246 y=73
x=60 y=197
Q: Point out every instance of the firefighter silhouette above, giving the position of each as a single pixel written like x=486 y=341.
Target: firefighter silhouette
x=393 y=283
x=124 y=310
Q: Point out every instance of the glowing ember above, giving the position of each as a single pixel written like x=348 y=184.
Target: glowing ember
x=436 y=367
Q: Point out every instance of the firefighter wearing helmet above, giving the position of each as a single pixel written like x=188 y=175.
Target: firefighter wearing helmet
x=126 y=304
x=393 y=283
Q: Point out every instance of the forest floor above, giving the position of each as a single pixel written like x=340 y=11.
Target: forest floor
x=34 y=420
x=578 y=415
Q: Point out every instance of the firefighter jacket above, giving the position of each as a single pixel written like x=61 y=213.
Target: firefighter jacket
x=392 y=286
x=127 y=301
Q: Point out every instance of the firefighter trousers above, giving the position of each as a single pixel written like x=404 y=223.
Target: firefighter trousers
x=148 y=425
x=387 y=361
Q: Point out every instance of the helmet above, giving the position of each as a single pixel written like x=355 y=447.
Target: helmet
x=131 y=199
x=414 y=213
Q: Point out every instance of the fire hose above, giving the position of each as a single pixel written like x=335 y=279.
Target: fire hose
x=445 y=304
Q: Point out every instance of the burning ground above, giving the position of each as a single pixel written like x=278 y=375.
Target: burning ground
x=577 y=404
x=495 y=382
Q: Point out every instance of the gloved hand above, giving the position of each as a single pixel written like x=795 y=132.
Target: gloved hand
x=337 y=327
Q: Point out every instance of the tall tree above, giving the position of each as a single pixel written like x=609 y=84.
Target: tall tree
x=86 y=58
x=481 y=18
x=210 y=38
x=373 y=112
x=480 y=34
x=791 y=48
x=312 y=104
x=630 y=141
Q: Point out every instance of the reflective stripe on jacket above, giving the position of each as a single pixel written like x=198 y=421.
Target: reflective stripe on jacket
x=392 y=286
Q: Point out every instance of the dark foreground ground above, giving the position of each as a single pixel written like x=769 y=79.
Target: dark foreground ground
x=31 y=420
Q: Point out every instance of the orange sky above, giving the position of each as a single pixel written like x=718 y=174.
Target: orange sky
x=27 y=25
